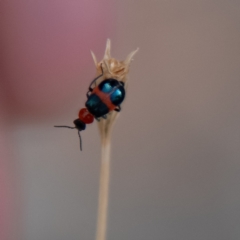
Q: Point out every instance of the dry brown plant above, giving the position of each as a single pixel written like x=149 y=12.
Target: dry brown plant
x=118 y=70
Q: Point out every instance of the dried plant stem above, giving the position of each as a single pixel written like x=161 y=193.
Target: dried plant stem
x=104 y=190
x=118 y=70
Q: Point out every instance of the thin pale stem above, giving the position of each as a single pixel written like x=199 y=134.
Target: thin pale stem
x=104 y=189
x=111 y=68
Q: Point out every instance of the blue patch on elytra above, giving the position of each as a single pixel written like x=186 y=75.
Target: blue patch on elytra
x=95 y=106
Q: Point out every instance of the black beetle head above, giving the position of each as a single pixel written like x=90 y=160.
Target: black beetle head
x=80 y=126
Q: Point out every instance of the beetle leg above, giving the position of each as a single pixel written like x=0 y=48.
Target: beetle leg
x=121 y=82
x=88 y=94
x=118 y=109
x=95 y=79
x=104 y=116
x=89 y=91
x=98 y=119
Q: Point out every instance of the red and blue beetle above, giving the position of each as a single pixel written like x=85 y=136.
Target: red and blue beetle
x=101 y=100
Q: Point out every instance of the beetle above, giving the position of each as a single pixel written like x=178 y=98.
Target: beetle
x=101 y=99
x=105 y=97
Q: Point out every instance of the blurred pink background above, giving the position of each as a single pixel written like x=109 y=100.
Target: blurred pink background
x=175 y=158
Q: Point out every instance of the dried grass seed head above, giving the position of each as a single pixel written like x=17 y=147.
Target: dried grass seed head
x=112 y=68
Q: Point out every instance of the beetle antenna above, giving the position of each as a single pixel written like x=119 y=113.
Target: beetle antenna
x=80 y=139
x=66 y=127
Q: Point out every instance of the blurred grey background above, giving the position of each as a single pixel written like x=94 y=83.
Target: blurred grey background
x=175 y=168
